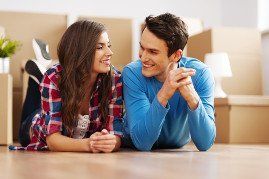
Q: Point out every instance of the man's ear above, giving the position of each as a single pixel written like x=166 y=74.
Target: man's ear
x=176 y=56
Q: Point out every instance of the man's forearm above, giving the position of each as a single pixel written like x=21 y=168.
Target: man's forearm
x=193 y=98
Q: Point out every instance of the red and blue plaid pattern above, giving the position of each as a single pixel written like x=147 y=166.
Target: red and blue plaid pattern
x=49 y=120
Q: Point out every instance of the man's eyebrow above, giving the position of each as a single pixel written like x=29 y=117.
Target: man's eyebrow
x=151 y=49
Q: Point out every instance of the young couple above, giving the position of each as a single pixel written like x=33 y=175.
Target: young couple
x=77 y=104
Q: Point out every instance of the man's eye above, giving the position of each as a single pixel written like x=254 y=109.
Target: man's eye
x=153 y=52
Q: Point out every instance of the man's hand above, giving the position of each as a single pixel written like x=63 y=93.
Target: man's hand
x=105 y=142
x=175 y=79
x=189 y=93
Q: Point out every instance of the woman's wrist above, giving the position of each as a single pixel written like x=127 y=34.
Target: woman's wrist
x=86 y=145
x=118 y=143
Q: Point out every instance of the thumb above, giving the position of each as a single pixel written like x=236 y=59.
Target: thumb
x=171 y=66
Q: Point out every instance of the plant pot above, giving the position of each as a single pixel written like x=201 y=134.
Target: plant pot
x=4 y=65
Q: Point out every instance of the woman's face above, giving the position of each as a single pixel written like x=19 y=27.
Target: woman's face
x=103 y=55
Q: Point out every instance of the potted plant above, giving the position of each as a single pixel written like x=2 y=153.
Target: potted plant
x=7 y=48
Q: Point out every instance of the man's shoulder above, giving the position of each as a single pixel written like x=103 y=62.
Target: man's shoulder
x=134 y=65
x=189 y=62
x=133 y=68
x=203 y=73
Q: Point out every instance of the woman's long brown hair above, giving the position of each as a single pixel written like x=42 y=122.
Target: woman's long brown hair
x=76 y=53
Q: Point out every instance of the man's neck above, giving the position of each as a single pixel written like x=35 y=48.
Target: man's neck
x=162 y=77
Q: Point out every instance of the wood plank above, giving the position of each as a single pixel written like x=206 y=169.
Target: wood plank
x=221 y=161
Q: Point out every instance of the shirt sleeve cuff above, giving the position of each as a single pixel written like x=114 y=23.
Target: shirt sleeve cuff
x=160 y=107
x=196 y=111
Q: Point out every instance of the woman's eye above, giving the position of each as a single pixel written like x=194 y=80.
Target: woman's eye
x=99 y=47
x=109 y=46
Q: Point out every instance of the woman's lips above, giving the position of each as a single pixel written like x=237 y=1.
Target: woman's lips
x=106 y=62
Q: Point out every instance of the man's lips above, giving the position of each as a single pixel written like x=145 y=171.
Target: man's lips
x=148 y=65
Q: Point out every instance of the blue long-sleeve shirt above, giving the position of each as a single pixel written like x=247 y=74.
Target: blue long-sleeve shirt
x=152 y=125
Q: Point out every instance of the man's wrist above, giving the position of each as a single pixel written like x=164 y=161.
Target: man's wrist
x=163 y=100
x=193 y=101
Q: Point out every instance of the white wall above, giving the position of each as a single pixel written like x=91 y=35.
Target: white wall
x=265 y=56
x=263 y=24
x=263 y=14
x=239 y=13
x=242 y=13
x=207 y=10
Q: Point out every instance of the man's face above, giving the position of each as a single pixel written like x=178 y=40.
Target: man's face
x=154 y=55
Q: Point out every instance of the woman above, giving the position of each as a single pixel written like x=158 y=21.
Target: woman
x=81 y=97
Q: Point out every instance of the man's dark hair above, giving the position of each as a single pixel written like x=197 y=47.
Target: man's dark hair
x=169 y=28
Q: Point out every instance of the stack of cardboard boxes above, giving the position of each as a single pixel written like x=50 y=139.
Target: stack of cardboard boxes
x=5 y=106
x=242 y=117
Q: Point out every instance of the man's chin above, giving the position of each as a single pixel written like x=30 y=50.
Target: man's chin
x=147 y=73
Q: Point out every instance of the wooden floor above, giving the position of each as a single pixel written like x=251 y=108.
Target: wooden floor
x=222 y=161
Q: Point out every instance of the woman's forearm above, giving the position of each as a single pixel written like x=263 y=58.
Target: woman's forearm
x=59 y=143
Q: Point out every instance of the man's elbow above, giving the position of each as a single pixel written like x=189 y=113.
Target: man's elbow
x=141 y=145
x=205 y=145
x=143 y=148
x=204 y=148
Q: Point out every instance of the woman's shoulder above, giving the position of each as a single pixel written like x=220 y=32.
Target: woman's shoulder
x=116 y=74
x=53 y=74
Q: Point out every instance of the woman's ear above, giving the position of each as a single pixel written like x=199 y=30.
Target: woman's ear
x=176 y=56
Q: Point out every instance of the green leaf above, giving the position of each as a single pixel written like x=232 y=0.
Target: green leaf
x=8 y=47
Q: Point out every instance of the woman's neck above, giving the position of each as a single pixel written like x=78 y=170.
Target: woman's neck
x=93 y=79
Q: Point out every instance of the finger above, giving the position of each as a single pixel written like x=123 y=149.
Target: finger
x=105 y=149
x=183 y=75
x=181 y=70
x=97 y=134
x=183 y=83
x=184 y=70
x=95 y=150
x=171 y=66
x=98 y=147
x=104 y=142
x=104 y=131
x=104 y=137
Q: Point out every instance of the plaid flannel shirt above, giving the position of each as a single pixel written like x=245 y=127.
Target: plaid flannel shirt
x=49 y=119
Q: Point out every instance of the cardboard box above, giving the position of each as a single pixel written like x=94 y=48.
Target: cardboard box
x=6 y=136
x=242 y=119
x=24 y=27
x=2 y=31
x=120 y=34
x=244 y=54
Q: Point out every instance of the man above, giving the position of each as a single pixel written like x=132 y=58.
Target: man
x=169 y=98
